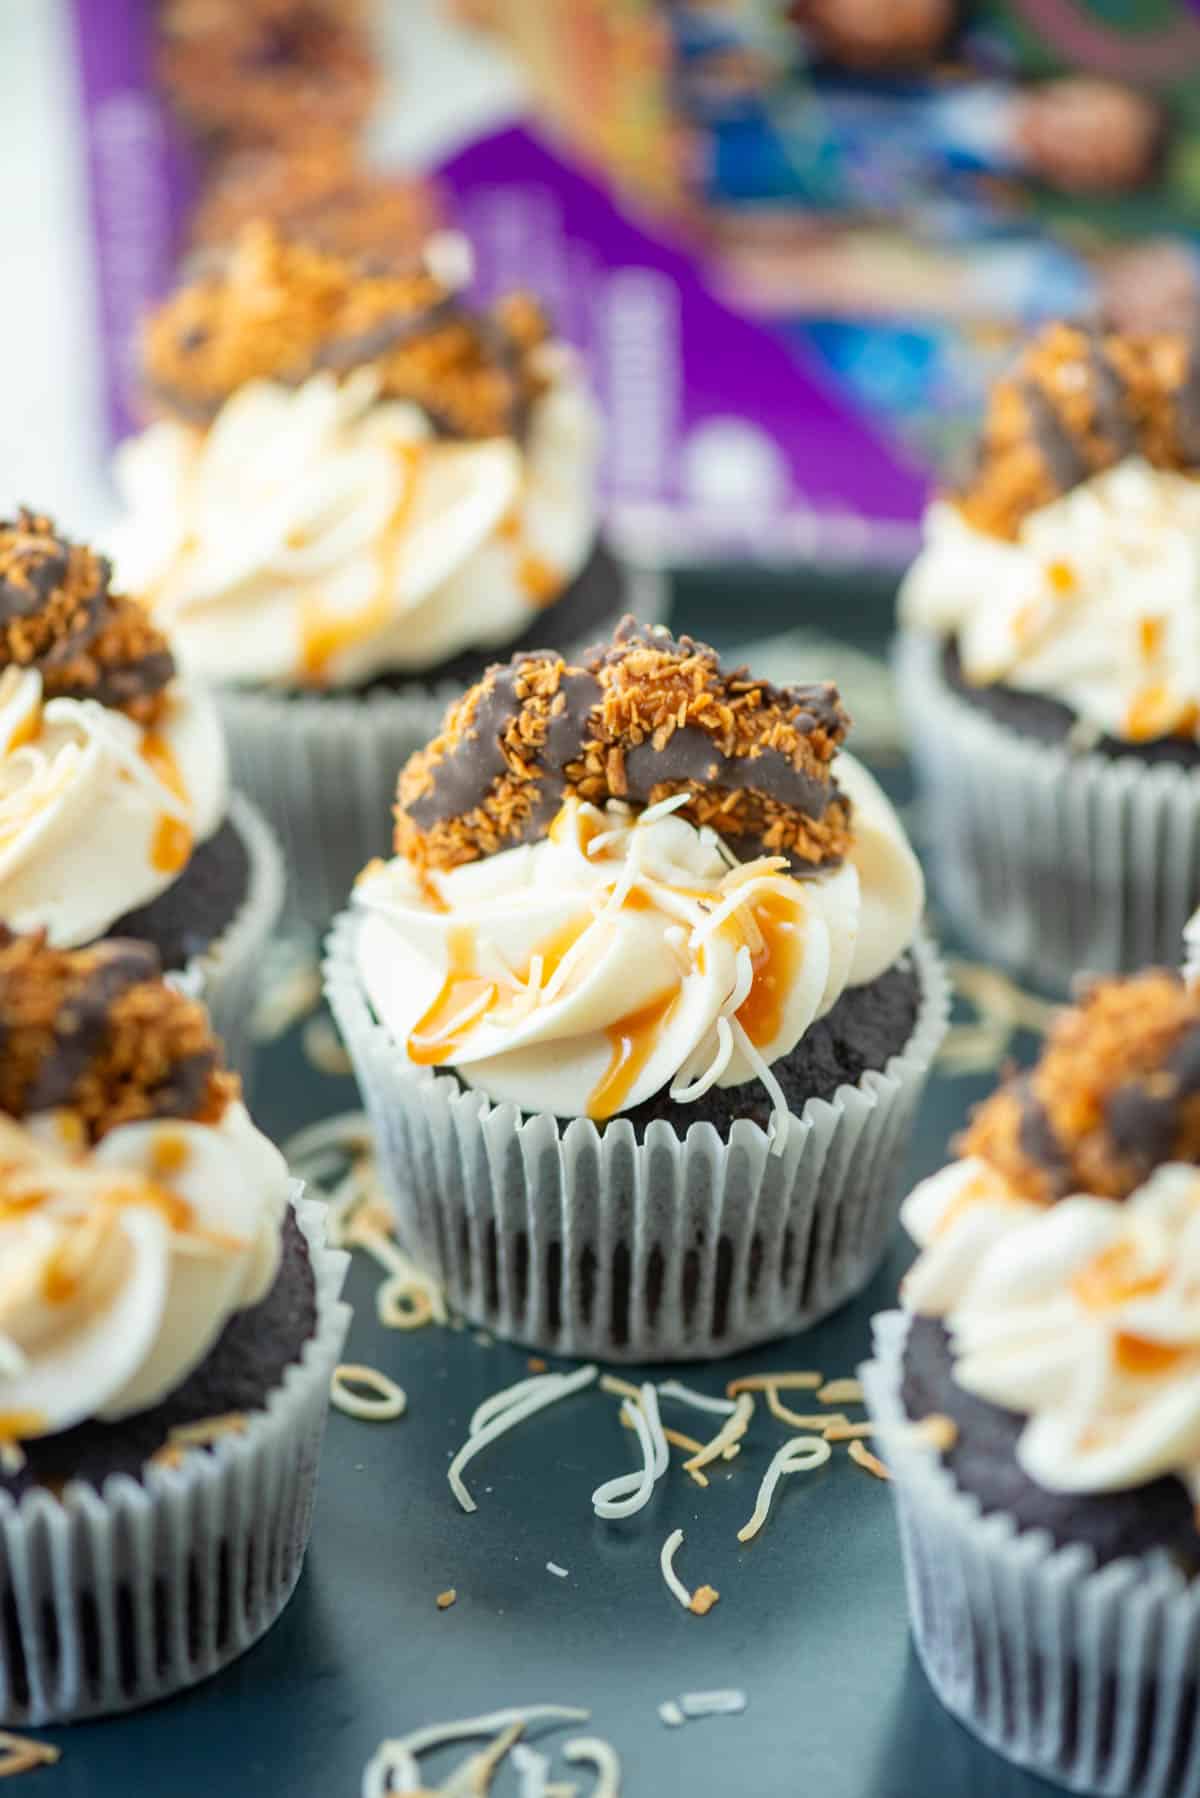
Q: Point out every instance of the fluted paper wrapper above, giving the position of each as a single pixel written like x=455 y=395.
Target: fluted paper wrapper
x=1053 y=863
x=1087 y=1676
x=226 y=976
x=577 y=1239
x=112 y=1600
x=323 y=767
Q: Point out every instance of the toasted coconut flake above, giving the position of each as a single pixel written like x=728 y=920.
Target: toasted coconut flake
x=841 y=1392
x=21 y=1754
x=795 y=1420
x=871 y=1462
x=201 y=1434
x=842 y=1430
x=445 y=1599
x=703 y=1600
x=676 y=1438
x=785 y=1382
x=801 y=1455
x=620 y=1388
x=727 y=1437
x=939 y=1432
x=474 y=1778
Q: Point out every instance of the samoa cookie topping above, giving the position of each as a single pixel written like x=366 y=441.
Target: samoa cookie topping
x=58 y=615
x=97 y=1035
x=1079 y=401
x=642 y=719
x=1115 y=1094
x=283 y=310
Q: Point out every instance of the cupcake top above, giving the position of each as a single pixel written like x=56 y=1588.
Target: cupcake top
x=1063 y=1247
x=627 y=873
x=354 y=472
x=1069 y=563
x=139 y=1207
x=111 y=766
x=266 y=71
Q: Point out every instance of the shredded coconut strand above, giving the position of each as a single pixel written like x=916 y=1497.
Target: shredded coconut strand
x=558 y=1572
x=627 y=1493
x=603 y=1757
x=532 y=1770
x=671 y=1714
x=701 y=1401
x=554 y=1387
x=781 y=1117
x=382 y=1401
x=730 y=1701
x=393 y=1767
x=666 y=1561
x=801 y=1455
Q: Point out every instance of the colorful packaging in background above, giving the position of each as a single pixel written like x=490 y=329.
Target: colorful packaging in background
x=793 y=240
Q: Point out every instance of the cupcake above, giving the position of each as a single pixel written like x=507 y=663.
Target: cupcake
x=1050 y=658
x=1038 y=1402
x=266 y=71
x=116 y=817
x=169 y=1323
x=360 y=491
x=638 y=1007
x=321 y=193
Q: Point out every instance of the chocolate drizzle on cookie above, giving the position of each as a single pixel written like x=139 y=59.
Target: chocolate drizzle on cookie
x=98 y=1033
x=282 y=310
x=1079 y=401
x=1115 y=1094
x=640 y=719
x=59 y=615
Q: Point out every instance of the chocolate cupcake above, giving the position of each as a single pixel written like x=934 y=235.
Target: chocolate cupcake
x=638 y=1007
x=116 y=817
x=360 y=490
x=254 y=72
x=169 y=1323
x=1038 y=1402
x=1049 y=660
x=319 y=192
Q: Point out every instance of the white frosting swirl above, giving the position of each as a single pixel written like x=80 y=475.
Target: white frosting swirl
x=97 y=815
x=317 y=536
x=1083 y=1315
x=1096 y=603
x=120 y=1268
x=580 y=974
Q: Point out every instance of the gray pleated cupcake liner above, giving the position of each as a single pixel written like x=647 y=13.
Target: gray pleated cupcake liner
x=226 y=975
x=580 y=1240
x=114 y=1599
x=1090 y=1677
x=1051 y=862
x=323 y=767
